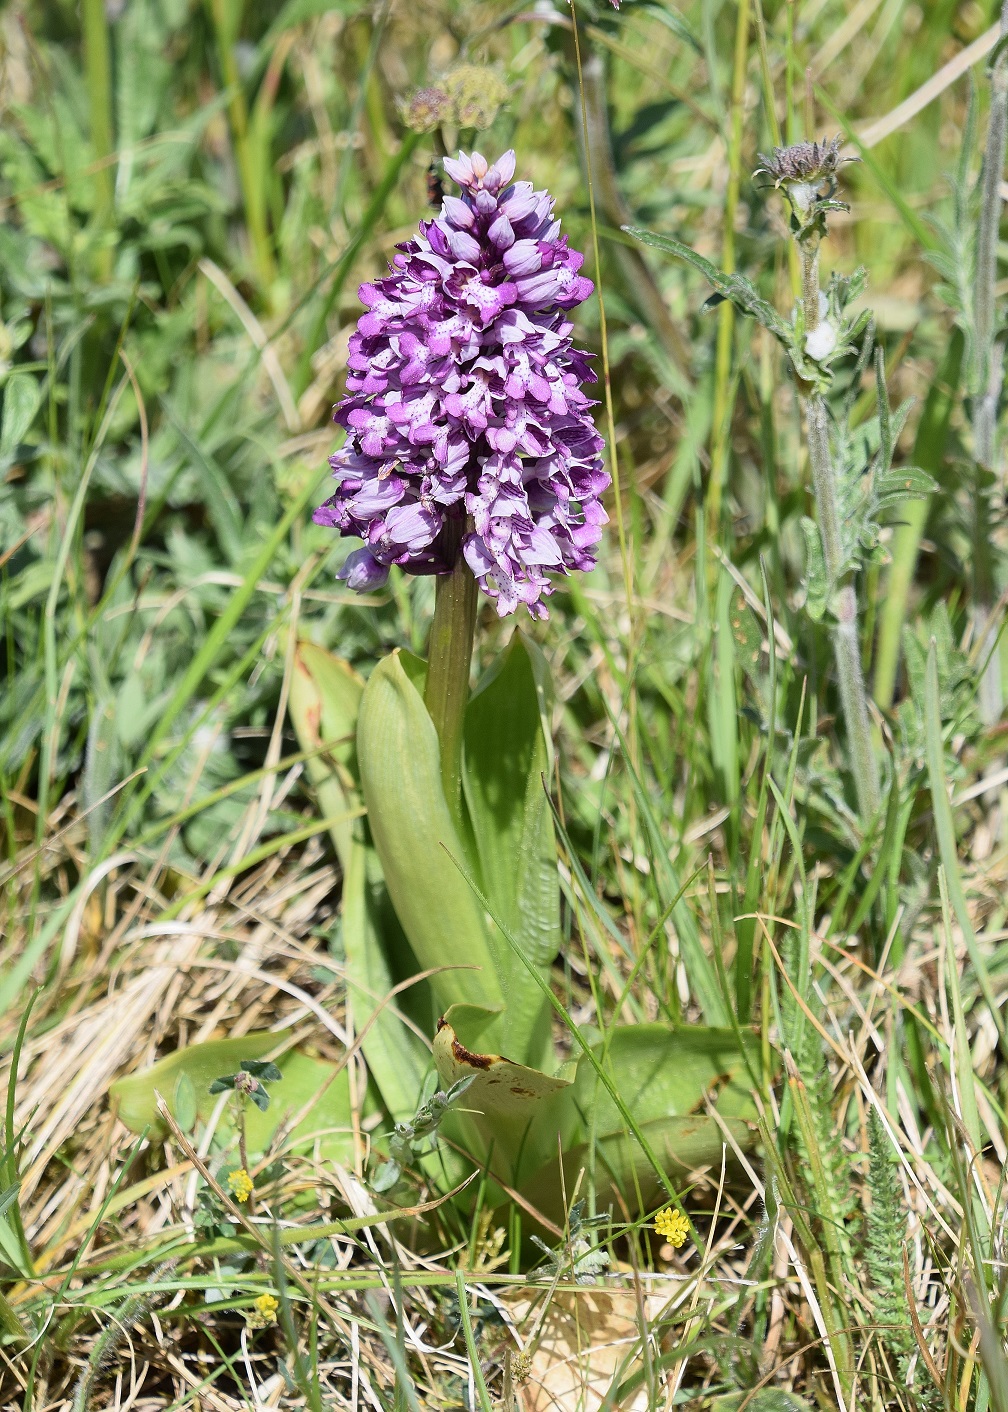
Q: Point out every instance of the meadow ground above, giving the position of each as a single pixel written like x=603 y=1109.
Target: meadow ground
x=191 y=194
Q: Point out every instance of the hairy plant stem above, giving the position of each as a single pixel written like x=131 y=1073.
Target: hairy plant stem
x=450 y=657
x=243 y=1156
x=987 y=377
x=846 y=646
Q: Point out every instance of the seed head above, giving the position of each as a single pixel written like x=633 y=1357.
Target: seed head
x=475 y=93
x=426 y=109
x=803 y=161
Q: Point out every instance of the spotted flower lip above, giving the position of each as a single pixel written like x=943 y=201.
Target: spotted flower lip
x=467 y=424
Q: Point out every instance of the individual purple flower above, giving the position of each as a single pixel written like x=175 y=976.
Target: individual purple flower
x=467 y=427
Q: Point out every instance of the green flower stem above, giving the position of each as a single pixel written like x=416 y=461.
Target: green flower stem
x=846 y=648
x=824 y=485
x=243 y=1156
x=447 y=694
x=250 y=162
x=987 y=375
x=724 y=392
x=98 y=70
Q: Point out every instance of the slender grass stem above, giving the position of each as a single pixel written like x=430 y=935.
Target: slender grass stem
x=450 y=658
x=600 y=162
x=987 y=375
x=340 y=269
x=226 y=21
x=98 y=70
x=626 y=557
x=723 y=382
x=846 y=652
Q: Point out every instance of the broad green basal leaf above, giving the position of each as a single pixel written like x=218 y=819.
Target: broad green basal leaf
x=666 y=1078
x=324 y=701
x=399 y=762
x=313 y=1091
x=397 y=1058
x=194 y=1067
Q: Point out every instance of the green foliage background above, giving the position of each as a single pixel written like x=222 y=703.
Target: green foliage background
x=190 y=194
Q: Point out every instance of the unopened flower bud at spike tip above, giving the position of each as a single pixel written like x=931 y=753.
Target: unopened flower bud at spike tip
x=466 y=420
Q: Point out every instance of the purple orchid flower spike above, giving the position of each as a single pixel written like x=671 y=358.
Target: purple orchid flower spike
x=467 y=427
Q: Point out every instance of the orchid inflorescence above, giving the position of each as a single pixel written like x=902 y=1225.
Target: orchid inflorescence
x=468 y=430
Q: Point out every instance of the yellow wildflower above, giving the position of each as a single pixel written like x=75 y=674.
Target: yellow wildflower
x=673 y=1225
x=240 y=1184
x=266 y=1307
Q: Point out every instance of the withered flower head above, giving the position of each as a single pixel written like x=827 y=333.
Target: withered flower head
x=475 y=93
x=426 y=109
x=806 y=170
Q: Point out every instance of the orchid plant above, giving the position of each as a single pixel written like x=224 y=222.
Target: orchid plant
x=471 y=454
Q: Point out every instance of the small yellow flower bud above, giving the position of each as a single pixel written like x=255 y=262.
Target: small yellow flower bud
x=240 y=1184
x=266 y=1307
x=673 y=1225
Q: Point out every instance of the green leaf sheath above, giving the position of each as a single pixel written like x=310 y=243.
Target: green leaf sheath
x=416 y=839
x=505 y=782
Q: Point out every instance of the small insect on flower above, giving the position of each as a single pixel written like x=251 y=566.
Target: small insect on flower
x=435 y=187
x=240 y=1184
x=263 y=1311
x=673 y=1225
